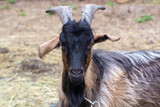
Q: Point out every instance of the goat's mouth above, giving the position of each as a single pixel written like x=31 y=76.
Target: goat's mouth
x=76 y=79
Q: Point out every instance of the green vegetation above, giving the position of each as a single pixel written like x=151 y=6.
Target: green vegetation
x=71 y=5
x=22 y=13
x=151 y=2
x=109 y=3
x=11 y=1
x=7 y=4
x=5 y=7
x=143 y=18
x=50 y=13
x=155 y=2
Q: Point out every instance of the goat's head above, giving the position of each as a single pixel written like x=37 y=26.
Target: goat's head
x=76 y=41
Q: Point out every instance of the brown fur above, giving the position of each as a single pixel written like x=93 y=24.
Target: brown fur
x=62 y=98
x=65 y=63
x=88 y=61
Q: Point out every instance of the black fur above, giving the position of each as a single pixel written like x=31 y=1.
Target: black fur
x=74 y=93
x=74 y=40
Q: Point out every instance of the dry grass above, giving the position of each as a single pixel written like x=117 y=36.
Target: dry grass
x=22 y=35
x=18 y=91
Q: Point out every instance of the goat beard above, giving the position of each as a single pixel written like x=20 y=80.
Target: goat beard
x=74 y=93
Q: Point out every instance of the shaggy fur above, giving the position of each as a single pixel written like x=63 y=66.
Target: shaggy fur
x=129 y=79
x=122 y=79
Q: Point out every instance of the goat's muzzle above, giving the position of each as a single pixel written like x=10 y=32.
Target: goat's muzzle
x=76 y=76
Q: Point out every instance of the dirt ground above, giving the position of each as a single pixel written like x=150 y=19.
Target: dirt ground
x=20 y=37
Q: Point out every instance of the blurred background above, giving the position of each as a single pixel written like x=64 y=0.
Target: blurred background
x=26 y=80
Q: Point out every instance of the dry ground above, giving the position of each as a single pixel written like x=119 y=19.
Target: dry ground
x=21 y=35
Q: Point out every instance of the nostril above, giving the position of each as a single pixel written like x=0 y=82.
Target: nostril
x=76 y=71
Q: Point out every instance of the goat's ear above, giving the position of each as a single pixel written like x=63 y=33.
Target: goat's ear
x=102 y=37
x=48 y=46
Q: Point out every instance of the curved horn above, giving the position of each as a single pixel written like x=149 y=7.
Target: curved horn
x=64 y=12
x=89 y=10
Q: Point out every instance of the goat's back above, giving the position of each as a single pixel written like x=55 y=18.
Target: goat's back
x=128 y=78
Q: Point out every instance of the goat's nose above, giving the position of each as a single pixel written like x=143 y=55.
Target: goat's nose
x=76 y=71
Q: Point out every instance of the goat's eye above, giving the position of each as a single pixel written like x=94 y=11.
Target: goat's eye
x=91 y=44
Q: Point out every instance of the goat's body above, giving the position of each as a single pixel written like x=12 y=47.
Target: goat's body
x=122 y=79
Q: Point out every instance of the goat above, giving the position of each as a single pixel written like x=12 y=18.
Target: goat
x=113 y=79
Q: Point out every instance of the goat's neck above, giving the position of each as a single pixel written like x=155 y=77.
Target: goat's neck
x=92 y=82
x=74 y=94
